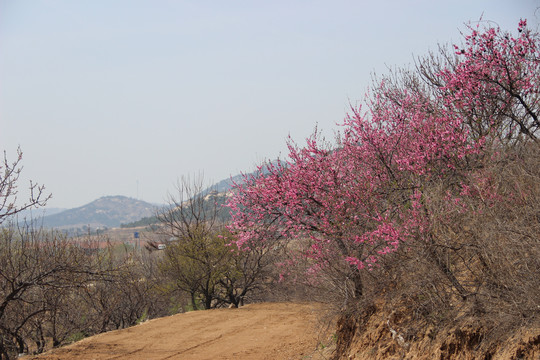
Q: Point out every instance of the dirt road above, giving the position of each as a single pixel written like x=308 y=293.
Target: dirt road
x=273 y=331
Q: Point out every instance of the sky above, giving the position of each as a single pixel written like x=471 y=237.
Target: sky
x=124 y=97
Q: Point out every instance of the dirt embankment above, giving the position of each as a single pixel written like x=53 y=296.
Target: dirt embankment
x=378 y=334
x=271 y=331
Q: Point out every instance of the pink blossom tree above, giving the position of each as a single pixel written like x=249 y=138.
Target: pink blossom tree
x=365 y=196
x=496 y=83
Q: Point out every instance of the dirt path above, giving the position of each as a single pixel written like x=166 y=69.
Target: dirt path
x=258 y=331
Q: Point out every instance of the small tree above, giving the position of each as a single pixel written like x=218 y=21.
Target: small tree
x=199 y=258
x=9 y=178
x=195 y=267
x=246 y=271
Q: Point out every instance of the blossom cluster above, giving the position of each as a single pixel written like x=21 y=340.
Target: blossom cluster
x=363 y=197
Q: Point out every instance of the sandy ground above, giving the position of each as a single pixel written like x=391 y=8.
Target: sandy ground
x=258 y=331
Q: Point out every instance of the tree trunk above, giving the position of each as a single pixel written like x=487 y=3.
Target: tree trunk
x=207 y=302
x=3 y=352
x=20 y=344
x=441 y=264
x=356 y=279
x=194 y=301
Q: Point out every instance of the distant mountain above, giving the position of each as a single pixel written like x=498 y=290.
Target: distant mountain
x=37 y=213
x=107 y=211
x=227 y=184
x=224 y=185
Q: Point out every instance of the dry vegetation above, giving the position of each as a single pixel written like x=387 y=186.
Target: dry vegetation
x=492 y=311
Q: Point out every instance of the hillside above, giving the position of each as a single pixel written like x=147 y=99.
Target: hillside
x=107 y=211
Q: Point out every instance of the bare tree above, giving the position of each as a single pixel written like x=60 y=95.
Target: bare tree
x=9 y=177
x=33 y=263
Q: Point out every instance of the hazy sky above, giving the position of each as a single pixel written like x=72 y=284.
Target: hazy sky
x=113 y=97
